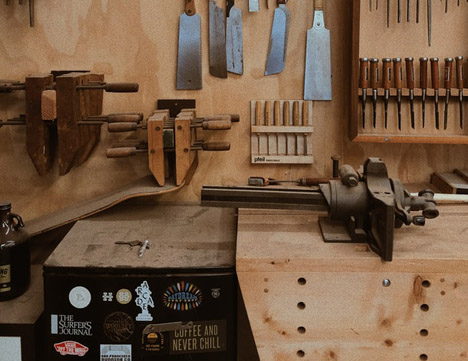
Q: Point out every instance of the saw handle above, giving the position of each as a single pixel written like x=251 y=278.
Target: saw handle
x=423 y=72
x=410 y=72
x=190 y=8
x=459 y=68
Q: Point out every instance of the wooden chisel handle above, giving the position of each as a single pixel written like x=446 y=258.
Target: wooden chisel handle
x=435 y=73
x=121 y=152
x=448 y=73
x=277 y=113
x=190 y=8
x=286 y=114
x=318 y=4
x=364 y=73
x=296 y=113
x=268 y=113
x=387 y=73
x=258 y=113
x=410 y=72
x=305 y=113
x=460 y=73
x=374 y=75
x=397 y=73
x=423 y=72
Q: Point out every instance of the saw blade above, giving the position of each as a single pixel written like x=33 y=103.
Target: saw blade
x=278 y=41
x=189 y=69
x=234 y=42
x=218 y=66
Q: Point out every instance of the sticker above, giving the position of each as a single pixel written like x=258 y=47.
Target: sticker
x=153 y=342
x=203 y=336
x=10 y=348
x=116 y=353
x=66 y=325
x=71 y=348
x=79 y=297
x=118 y=327
x=5 y=278
x=107 y=296
x=144 y=300
x=123 y=296
x=215 y=292
x=182 y=296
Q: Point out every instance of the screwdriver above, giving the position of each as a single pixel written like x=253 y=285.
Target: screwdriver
x=423 y=83
x=410 y=82
x=363 y=84
x=398 y=75
x=387 y=83
x=459 y=67
x=374 y=79
x=435 y=86
x=447 y=86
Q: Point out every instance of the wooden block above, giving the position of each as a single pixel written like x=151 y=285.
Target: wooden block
x=327 y=301
x=450 y=183
x=49 y=105
x=40 y=141
x=281 y=134
x=156 y=146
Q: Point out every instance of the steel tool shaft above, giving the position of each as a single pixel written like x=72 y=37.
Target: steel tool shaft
x=374 y=79
x=410 y=83
x=399 y=11
x=417 y=11
x=429 y=21
x=398 y=75
x=363 y=84
x=423 y=86
x=460 y=80
x=435 y=86
x=447 y=86
x=387 y=84
x=408 y=10
x=388 y=13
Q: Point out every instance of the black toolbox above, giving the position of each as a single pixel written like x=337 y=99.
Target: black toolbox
x=177 y=302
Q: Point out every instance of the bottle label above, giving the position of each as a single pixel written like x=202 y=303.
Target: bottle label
x=5 y=278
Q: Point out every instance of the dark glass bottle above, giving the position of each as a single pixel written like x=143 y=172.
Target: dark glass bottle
x=15 y=267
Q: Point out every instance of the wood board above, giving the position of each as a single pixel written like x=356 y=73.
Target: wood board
x=306 y=298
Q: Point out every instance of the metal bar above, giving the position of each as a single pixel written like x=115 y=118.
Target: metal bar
x=268 y=198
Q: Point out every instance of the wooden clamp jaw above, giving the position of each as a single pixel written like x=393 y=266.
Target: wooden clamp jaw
x=186 y=160
x=158 y=164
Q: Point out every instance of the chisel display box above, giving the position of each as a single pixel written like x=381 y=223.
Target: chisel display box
x=175 y=302
x=407 y=36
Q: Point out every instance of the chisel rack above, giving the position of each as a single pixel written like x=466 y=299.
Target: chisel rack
x=392 y=47
x=281 y=132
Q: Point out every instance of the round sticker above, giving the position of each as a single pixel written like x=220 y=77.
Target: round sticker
x=118 y=326
x=123 y=296
x=79 y=297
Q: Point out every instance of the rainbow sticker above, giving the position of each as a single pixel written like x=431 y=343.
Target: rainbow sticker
x=183 y=296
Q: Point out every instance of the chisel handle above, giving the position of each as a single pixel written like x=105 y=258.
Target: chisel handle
x=190 y=8
x=423 y=72
x=364 y=73
x=387 y=73
x=268 y=114
x=397 y=73
x=435 y=73
x=318 y=4
x=460 y=73
x=286 y=114
x=258 y=113
x=296 y=111
x=374 y=73
x=305 y=113
x=121 y=152
x=448 y=73
x=410 y=72
x=277 y=112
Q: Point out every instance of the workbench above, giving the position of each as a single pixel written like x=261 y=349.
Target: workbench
x=328 y=301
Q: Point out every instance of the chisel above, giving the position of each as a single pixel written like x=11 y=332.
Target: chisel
x=374 y=79
x=460 y=76
x=429 y=21
x=448 y=86
x=363 y=84
x=410 y=83
x=423 y=86
x=399 y=11
x=387 y=83
x=388 y=13
x=435 y=86
x=446 y=6
x=408 y=10
x=398 y=75
x=417 y=11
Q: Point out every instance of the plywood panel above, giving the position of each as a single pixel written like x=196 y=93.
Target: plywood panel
x=136 y=41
